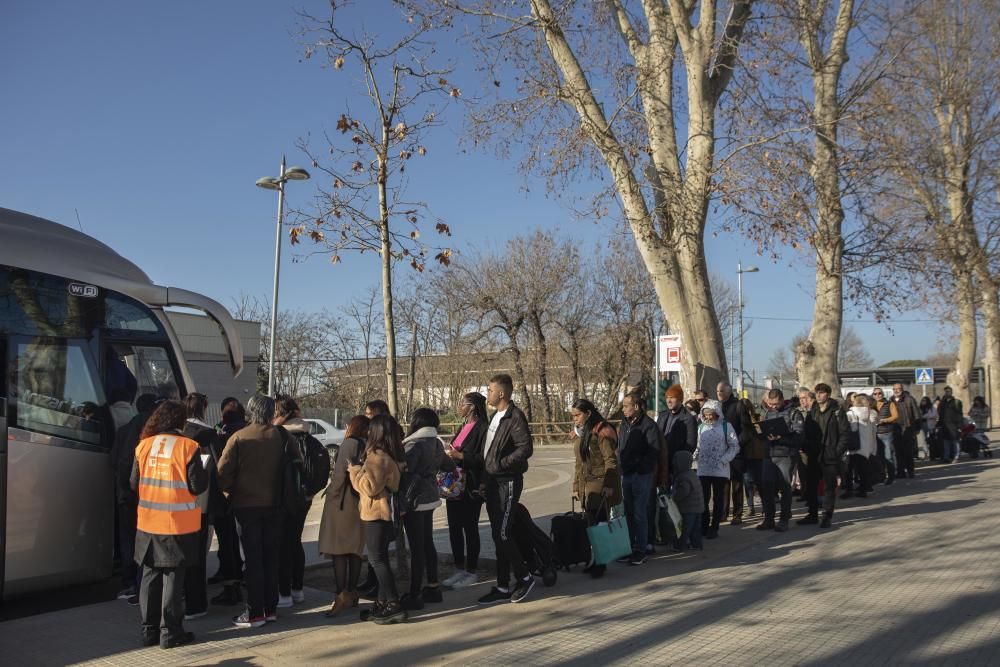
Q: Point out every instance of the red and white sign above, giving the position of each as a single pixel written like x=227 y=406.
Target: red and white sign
x=669 y=348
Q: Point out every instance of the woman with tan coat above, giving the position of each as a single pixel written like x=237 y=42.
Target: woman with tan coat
x=597 y=483
x=376 y=480
x=341 y=534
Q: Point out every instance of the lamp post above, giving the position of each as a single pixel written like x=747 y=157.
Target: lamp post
x=739 y=290
x=271 y=183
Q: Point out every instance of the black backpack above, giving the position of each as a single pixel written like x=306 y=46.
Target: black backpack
x=315 y=463
x=294 y=493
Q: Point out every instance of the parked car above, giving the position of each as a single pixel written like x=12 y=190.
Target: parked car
x=328 y=434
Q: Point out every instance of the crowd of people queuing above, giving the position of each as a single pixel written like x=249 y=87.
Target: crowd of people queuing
x=178 y=478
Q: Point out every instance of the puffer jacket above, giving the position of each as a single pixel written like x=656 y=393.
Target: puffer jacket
x=598 y=469
x=375 y=481
x=687 y=488
x=718 y=445
x=424 y=458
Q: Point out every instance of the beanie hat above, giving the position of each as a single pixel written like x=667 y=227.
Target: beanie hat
x=675 y=391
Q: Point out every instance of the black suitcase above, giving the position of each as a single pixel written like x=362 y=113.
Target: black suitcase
x=569 y=535
x=536 y=547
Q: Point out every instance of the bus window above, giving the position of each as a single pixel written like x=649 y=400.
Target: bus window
x=151 y=367
x=57 y=390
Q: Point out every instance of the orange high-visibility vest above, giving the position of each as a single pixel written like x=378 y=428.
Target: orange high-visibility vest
x=166 y=507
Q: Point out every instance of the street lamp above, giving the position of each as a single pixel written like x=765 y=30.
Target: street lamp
x=271 y=183
x=739 y=289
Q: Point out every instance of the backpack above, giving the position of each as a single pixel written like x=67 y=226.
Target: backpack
x=294 y=495
x=315 y=464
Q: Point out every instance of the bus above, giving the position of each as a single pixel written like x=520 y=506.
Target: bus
x=83 y=333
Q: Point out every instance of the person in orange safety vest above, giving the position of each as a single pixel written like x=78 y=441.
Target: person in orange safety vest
x=168 y=474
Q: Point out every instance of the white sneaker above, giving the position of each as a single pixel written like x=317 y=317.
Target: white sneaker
x=298 y=596
x=453 y=579
x=467 y=579
x=284 y=601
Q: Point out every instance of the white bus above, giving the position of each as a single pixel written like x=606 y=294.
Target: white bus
x=82 y=334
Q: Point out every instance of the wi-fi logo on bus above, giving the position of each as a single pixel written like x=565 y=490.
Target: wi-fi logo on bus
x=81 y=290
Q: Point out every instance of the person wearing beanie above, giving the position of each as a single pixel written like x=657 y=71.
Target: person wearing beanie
x=678 y=426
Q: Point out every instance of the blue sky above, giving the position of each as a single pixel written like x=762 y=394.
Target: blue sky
x=153 y=120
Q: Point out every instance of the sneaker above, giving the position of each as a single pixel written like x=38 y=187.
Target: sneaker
x=271 y=616
x=765 y=525
x=781 y=527
x=126 y=593
x=524 y=587
x=432 y=594
x=178 y=640
x=411 y=602
x=468 y=579
x=245 y=620
x=650 y=550
x=372 y=611
x=637 y=558
x=624 y=559
x=737 y=521
x=133 y=601
x=298 y=596
x=285 y=601
x=190 y=616
x=453 y=580
x=808 y=520
x=494 y=596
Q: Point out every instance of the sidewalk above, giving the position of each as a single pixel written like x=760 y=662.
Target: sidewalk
x=904 y=577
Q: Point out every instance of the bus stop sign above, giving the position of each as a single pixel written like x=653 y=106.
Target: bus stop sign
x=923 y=375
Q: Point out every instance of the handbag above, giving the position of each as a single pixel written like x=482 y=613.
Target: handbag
x=451 y=484
x=674 y=513
x=609 y=540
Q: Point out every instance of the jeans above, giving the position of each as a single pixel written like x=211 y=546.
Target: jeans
x=292 y=558
x=775 y=483
x=195 y=584
x=463 y=531
x=127 y=520
x=889 y=454
x=378 y=534
x=501 y=497
x=636 y=488
x=714 y=488
x=690 y=530
x=161 y=601
x=260 y=533
x=419 y=528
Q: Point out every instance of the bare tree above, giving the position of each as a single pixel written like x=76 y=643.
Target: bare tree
x=364 y=208
x=596 y=86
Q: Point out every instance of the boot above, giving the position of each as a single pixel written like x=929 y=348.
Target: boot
x=340 y=603
x=827 y=517
x=391 y=612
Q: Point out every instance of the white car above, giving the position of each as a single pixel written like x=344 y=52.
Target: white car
x=329 y=435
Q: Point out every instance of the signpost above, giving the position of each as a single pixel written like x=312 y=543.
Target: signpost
x=668 y=358
x=923 y=377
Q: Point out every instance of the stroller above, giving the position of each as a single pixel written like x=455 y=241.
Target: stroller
x=975 y=443
x=535 y=546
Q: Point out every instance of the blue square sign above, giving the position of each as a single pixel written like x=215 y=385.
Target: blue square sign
x=923 y=375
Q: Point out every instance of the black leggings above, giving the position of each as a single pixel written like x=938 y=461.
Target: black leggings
x=463 y=529
x=292 y=560
x=423 y=555
x=378 y=534
x=713 y=488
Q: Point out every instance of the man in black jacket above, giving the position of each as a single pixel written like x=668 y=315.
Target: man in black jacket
x=826 y=437
x=506 y=451
x=909 y=422
x=638 y=456
x=736 y=414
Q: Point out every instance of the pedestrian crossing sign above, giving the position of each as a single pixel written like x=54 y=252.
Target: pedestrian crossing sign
x=924 y=375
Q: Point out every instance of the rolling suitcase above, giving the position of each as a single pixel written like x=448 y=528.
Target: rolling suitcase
x=535 y=546
x=569 y=535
